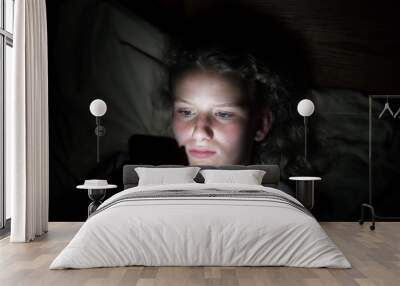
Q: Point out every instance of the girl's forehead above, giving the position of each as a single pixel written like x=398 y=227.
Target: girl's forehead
x=209 y=87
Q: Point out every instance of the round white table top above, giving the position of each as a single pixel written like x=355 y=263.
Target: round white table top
x=87 y=187
x=305 y=178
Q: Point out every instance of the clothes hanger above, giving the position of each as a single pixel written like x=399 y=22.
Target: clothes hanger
x=386 y=107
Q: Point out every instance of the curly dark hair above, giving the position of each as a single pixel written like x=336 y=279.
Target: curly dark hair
x=283 y=144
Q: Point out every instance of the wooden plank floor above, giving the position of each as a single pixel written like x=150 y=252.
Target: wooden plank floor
x=375 y=257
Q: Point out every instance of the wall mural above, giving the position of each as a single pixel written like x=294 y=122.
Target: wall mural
x=202 y=94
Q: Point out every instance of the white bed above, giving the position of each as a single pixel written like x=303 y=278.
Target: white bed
x=249 y=225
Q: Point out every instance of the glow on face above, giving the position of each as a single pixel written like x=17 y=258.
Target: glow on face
x=211 y=119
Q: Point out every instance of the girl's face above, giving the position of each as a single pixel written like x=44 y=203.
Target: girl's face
x=211 y=119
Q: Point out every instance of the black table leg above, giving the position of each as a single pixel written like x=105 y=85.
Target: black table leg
x=96 y=195
x=305 y=193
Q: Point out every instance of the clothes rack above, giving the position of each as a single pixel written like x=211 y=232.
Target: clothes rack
x=369 y=205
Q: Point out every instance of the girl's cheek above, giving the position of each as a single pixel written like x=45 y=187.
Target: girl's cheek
x=182 y=131
x=231 y=131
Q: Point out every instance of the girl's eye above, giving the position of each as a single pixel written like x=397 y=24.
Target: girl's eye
x=224 y=115
x=185 y=112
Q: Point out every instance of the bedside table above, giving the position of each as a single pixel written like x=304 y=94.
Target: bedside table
x=305 y=190
x=96 y=194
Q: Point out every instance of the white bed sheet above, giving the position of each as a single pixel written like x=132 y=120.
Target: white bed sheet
x=202 y=232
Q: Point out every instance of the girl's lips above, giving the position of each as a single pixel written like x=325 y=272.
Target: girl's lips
x=201 y=153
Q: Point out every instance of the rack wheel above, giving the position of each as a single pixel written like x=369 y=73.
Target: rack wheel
x=361 y=222
x=372 y=227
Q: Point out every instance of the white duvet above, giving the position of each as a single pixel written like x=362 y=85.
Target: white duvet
x=200 y=231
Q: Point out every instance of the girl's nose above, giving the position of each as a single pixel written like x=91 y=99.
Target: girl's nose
x=202 y=129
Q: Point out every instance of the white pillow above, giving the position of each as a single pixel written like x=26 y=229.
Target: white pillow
x=162 y=176
x=248 y=177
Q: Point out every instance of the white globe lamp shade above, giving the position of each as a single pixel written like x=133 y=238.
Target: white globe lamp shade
x=98 y=107
x=305 y=107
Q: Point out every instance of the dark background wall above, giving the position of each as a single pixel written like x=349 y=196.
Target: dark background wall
x=350 y=44
x=101 y=49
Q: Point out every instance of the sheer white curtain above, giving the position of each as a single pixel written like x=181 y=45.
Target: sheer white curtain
x=27 y=145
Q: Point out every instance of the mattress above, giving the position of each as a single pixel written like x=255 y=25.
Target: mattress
x=201 y=225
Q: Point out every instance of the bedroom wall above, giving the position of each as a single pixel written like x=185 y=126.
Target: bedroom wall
x=335 y=53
